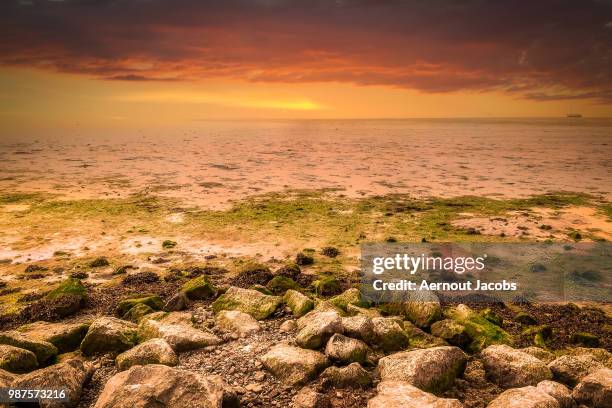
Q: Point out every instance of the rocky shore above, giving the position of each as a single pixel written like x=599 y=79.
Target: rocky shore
x=199 y=337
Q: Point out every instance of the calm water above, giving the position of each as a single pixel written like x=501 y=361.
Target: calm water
x=211 y=163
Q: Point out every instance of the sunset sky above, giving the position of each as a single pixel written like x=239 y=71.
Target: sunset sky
x=159 y=63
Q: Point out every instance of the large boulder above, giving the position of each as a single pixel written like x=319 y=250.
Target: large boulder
x=599 y=354
x=512 y=368
x=298 y=303
x=109 y=335
x=65 y=336
x=154 y=386
x=595 y=390
x=294 y=365
x=559 y=392
x=179 y=337
x=399 y=394
x=433 y=369
x=154 y=351
x=525 y=397
x=423 y=312
x=316 y=328
x=353 y=375
x=237 y=323
x=70 y=375
x=389 y=334
x=42 y=349
x=17 y=360
x=570 y=370
x=346 y=350
x=249 y=301
x=359 y=327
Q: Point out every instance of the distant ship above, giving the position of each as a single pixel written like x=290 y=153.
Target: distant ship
x=574 y=115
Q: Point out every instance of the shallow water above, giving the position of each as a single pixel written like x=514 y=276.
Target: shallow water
x=211 y=163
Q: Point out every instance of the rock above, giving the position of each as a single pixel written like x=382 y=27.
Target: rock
x=42 y=349
x=280 y=284
x=238 y=323
x=137 y=312
x=347 y=350
x=599 y=354
x=511 y=368
x=109 y=335
x=290 y=270
x=6 y=378
x=261 y=289
x=66 y=299
x=585 y=339
x=433 y=369
x=298 y=303
x=309 y=398
x=176 y=303
x=302 y=259
x=492 y=316
x=184 y=318
x=539 y=353
x=249 y=301
x=353 y=375
x=17 y=360
x=348 y=297
x=154 y=386
x=356 y=310
x=452 y=332
x=389 y=334
x=153 y=302
x=423 y=312
x=294 y=365
x=99 y=262
x=525 y=397
x=316 y=328
x=288 y=326
x=526 y=319
x=359 y=327
x=199 y=288
x=399 y=394
x=595 y=390
x=327 y=286
x=482 y=331
x=70 y=375
x=419 y=338
x=64 y=336
x=569 y=370
x=154 y=351
x=326 y=306
x=179 y=337
x=559 y=392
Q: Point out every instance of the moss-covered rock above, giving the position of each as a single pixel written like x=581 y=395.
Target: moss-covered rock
x=298 y=303
x=249 y=301
x=290 y=270
x=17 y=360
x=280 y=284
x=137 y=312
x=168 y=244
x=99 y=262
x=452 y=332
x=66 y=299
x=199 y=288
x=585 y=339
x=152 y=301
x=65 y=336
x=492 y=316
x=525 y=318
x=389 y=334
x=303 y=259
x=43 y=350
x=262 y=289
x=346 y=298
x=327 y=286
x=483 y=332
x=541 y=334
x=109 y=335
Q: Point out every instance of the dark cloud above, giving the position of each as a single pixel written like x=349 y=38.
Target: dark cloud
x=541 y=50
